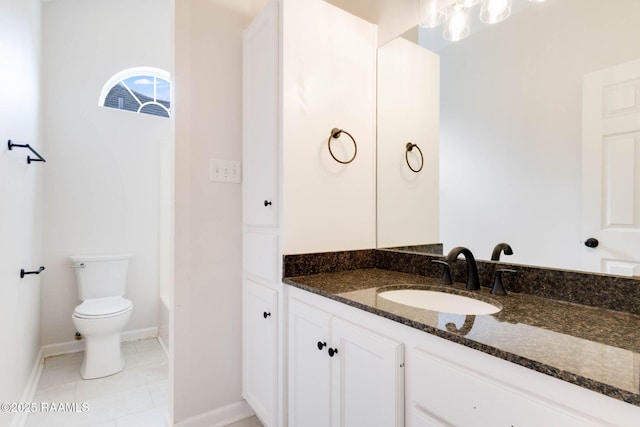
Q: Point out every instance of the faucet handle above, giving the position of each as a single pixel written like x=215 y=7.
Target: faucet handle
x=446 y=272
x=498 y=286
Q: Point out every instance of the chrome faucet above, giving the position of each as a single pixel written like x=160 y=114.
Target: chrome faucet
x=495 y=255
x=473 y=282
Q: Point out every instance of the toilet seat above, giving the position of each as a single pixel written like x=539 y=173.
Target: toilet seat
x=102 y=307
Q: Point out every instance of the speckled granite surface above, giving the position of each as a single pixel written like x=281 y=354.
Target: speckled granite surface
x=592 y=347
x=596 y=290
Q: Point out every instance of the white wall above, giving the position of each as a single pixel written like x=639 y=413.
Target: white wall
x=408 y=111
x=511 y=127
x=206 y=322
x=102 y=178
x=327 y=206
x=20 y=197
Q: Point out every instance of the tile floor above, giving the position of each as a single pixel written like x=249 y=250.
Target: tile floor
x=135 y=397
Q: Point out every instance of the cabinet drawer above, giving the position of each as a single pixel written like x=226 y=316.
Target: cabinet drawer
x=260 y=256
x=453 y=395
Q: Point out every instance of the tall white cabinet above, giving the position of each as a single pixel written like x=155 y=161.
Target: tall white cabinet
x=308 y=67
x=261 y=358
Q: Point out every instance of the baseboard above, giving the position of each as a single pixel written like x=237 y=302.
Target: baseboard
x=30 y=390
x=220 y=417
x=164 y=345
x=78 y=345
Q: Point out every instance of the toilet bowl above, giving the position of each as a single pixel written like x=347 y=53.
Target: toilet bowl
x=103 y=313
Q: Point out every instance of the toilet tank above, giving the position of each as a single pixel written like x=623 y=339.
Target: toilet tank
x=100 y=276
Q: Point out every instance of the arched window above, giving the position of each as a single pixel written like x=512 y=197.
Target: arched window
x=141 y=89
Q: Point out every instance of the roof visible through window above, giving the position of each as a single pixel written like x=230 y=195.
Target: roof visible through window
x=142 y=90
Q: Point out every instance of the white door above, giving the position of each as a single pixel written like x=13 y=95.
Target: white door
x=260 y=352
x=367 y=378
x=260 y=119
x=611 y=169
x=309 y=366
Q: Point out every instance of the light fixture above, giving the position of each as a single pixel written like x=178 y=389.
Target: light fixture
x=494 y=11
x=455 y=14
x=433 y=13
x=457 y=27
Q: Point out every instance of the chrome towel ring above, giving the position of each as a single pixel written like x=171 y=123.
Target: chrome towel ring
x=410 y=146
x=335 y=134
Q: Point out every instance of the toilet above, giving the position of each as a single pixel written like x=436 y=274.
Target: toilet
x=103 y=313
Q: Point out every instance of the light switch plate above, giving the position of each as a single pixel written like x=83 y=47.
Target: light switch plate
x=224 y=171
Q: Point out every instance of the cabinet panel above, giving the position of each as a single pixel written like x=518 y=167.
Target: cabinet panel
x=460 y=397
x=309 y=366
x=260 y=350
x=260 y=108
x=260 y=255
x=369 y=378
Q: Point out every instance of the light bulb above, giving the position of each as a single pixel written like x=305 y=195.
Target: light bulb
x=494 y=11
x=458 y=26
x=432 y=13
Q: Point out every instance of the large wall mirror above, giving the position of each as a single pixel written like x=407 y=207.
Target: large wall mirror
x=509 y=120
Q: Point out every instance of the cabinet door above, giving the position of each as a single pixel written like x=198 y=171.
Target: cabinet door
x=260 y=108
x=309 y=366
x=368 y=378
x=260 y=350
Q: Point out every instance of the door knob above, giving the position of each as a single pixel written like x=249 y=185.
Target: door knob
x=333 y=351
x=267 y=203
x=321 y=344
x=591 y=242
x=265 y=314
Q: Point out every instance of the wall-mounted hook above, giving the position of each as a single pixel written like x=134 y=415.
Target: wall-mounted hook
x=335 y=134
x=409 y=147
x=24 y=273
x=29 y=158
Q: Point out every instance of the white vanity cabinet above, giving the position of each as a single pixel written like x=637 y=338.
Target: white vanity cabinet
x=341 y=374
x=445 y=384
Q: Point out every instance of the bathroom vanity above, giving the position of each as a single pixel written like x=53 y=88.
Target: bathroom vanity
x=538 y=361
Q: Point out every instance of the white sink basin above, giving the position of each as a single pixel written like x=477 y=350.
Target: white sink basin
x=439 y=301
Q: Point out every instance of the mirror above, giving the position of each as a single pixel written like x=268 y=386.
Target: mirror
x=510 y=135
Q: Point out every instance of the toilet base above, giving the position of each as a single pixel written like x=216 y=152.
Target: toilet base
x=102 y=357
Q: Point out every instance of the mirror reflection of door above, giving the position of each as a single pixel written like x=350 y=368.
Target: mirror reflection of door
x=611 y=169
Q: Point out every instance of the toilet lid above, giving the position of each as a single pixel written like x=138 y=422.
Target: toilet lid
x=102 y=306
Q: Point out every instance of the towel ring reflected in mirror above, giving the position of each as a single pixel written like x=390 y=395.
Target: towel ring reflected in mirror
x=409 y=147
x=335 y=134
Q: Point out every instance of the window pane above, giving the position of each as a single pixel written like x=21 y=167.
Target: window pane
x=163 y=92
x=120 y=98
x=154 y=109
x=142 y=86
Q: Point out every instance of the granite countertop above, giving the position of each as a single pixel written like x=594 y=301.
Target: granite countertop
x=595 y=348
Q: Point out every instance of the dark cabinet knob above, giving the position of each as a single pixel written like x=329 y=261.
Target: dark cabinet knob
x=267 y=203
x=591 y=242
x=333 y=351
x=321 y=344
x=265 y=314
